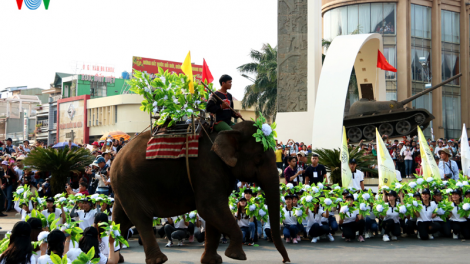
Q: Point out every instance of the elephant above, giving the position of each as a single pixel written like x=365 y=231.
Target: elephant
x=161 y=188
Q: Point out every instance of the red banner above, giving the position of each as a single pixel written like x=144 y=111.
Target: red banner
x=151 y=66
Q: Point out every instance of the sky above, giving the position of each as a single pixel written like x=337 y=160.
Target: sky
x=34 y=44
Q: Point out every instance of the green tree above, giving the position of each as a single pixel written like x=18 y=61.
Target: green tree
x=330 y=159
x=59 y=162
x=262 y=94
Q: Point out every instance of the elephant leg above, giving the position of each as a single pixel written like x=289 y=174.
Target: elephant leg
x=211 y=244
x=226 y=224
x=153 y=254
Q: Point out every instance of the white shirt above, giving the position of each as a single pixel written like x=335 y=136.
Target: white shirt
x=180 y=224
x=314 y=218
x=436 y=151
x=437 y=218
x=392 y=213
x=104 y=246
x=398 y=173
x=455 y=215
x=350 y=217
x=244 y=221
x=19 y=172
x=57 y=214
x=74 y=253
x=444 y=169
x=291 y=219
x=425 y=215
x=46 y=259
x=21 y=211
x=32 y=260
x=203 y=223
x=358 y=177
x=87 y=219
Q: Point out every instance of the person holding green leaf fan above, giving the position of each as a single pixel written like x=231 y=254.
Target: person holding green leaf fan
x=391 y=221
x=351 y=221
x=57 y=243
x=458 y=222
x=90 y=239
x=290 y=222
x=221 y=110
x=410 y=224
x=315 y=228
x=426 y=227
x=444 y=226
x=25 y=209
x=104 y=240
x=86 y=215
x=245 y=222
x=51 y=209
x=20 y=250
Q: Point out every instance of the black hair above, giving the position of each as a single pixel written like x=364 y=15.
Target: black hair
x=224 y=78
x=101 y=218
x=89 y=240
x=55 y=242
x=36 y=228
x=314 y=155
x=84 y=184
x=19 y=250
x=289 y=159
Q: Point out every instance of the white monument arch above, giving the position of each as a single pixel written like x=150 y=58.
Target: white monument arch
x=345 y=52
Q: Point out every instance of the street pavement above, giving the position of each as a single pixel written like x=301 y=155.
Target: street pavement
x=374 y=250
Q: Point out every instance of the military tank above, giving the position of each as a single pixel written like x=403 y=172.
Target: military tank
x=392 y=118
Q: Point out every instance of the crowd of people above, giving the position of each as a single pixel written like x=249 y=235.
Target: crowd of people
x=86 y=204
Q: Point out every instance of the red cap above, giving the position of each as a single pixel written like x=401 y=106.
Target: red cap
x=96 y=144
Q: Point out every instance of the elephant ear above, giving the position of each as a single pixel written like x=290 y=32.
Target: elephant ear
x=226 y=146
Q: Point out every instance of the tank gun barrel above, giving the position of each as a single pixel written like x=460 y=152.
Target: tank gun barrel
x=430 y=89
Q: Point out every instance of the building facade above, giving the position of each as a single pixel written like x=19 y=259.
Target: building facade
x=94 y=86
x=427 y=41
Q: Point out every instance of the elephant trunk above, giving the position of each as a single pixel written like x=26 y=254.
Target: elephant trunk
x=271 y=189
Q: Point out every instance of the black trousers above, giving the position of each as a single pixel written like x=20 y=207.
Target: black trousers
x=2 y=200
x=268 y=233
x=200 y=236
x=410 y=227
x=426 y=228
x=391 y=227
x=461 y=228
x=318 y=230
x=350 y=229
x=444 y=228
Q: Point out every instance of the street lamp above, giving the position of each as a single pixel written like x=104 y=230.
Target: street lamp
x=248 y=77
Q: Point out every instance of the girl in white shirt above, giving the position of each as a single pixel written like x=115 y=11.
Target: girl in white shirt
x=352 y=223
x=243 y=221
x=19 y=250
x=57 y=243
x=290 y=230
x=391 y=221
x=91 y=239
x=426 y=227
x=86 y=215
x=51 y=209
x=444 y=227
x=24 y=210
x=459 y=224
x=315 y=228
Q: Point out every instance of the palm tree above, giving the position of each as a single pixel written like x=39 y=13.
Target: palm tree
x=330 y=159
x=60 y=162
x=262 y=94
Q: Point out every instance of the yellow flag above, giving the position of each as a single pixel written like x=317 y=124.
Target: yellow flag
x=428 y=164
x=188 y=70
x=387 y=173
x=346 y=175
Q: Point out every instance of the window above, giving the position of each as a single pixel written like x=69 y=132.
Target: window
x=420 y=21
x=55 y=116
x=450 y=26
x=97 y=89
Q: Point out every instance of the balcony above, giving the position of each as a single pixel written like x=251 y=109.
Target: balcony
x=43 y=123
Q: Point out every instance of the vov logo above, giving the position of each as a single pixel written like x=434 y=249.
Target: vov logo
x=33 y=4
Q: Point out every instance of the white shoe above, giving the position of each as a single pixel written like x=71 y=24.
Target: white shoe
x=331 y=238
x=394 y=238
x=386 y=238
x=455 y=236
x=430 y=236
x=418 y=236
x=367 y=235
x=180 y=243
x=170 y=244
x=124 y=246
x=315 y=240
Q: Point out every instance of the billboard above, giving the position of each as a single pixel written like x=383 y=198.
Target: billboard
x=151 y=66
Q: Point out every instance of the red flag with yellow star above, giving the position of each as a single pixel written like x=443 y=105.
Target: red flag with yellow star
x=383 y=64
